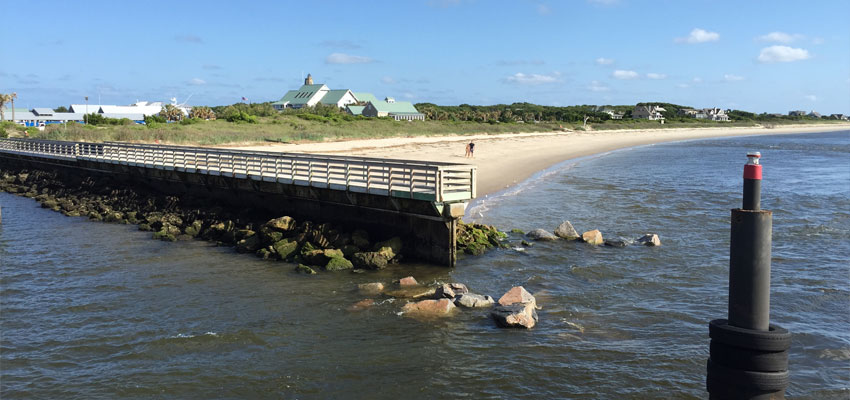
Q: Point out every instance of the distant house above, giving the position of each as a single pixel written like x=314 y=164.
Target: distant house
x=398 y=110
x=354 y=110
x=838 y=116
x=309 y=94
x=651 y=113
x=814 y=114
x=688 y=112
x=363 y=97
x=714 y=114
x=613 y=114
x=797 y=113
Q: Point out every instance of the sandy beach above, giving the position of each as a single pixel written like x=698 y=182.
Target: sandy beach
x=507 y=159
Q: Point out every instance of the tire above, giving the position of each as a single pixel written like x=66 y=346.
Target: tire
x=748 y=360
x=719 y=376
x=776 y=339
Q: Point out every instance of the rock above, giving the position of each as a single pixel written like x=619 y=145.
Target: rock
x=193 y=229
x=284 y=248
x=451 y=290
x=348 y=250
x=412 y=292
x=616 y=243
x=249 y=244
x=517 y=231
x=369 y=260
x=282 y=224
x=371 y=288
x=650 y=239
x=517 y=294
x=265 y=253
x=471 y=300
x=360 y=238
x=526 y=243
x=305 y=269
x=407 y=281
x=435 y=308
x=331 y=253
x=394 y=244
x=593 y=237
x=519 y=315
x=338 y=264
x=362 y=305
x=566 y=231
x=315 y=257
x=540 y=234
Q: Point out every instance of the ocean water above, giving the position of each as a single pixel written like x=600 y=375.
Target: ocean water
x=95 y=310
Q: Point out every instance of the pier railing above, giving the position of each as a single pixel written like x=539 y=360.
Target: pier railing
x=431 y=181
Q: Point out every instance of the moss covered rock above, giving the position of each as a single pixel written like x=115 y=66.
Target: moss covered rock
x=285 y=248
x=338 y=263
x=301 y=268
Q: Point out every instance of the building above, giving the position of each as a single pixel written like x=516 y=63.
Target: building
x=814 y=114
x=355 y=110
x=309 y=94
x=838 y=116
x=797 y=113
x=714 y=114
x=651 y=113
x=688 y=112
x=397 y=110
x=363 y=98
x=613 y=114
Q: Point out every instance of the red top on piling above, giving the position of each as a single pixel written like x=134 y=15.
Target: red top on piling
x=753 y=169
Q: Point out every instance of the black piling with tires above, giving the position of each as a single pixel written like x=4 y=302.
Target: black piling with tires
x=748 y=355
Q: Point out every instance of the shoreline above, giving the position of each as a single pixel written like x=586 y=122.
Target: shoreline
x=505 y=160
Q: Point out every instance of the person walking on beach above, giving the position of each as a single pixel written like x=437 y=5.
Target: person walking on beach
x=471 y=147
x=467 y=150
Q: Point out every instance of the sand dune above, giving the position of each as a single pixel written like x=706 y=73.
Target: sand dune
x=506 y=159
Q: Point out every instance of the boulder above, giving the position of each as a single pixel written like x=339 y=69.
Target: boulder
x=360 y=238
x=193 y=229
x=540 y=234
x=284 y=248
x=348 y=250
x=471 y=300
x=519 y=315
x=369 y=260
x=593 y=237
x=305 y=269
x=435 y=308
x=338 y=264
x=265 y=253
x=362 y=305
x=650 y=239
x=566 y=231
x=282 y=224
x=517 y=294
x=616 y=242
x=407 y=281
x=394 y=244
x=315 y=257
x=331 y=253
x=371 y=288
x=248 y=245
x=451 y=290
x=412 y=292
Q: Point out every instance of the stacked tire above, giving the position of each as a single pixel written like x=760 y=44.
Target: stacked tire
x=747 y=363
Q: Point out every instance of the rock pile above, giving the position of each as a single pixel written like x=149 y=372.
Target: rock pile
x=475 y=239
x=592 y=237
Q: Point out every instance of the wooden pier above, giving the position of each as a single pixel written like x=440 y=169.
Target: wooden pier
x=418 y=201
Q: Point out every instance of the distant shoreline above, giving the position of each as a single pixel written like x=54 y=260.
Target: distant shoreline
x=507 y=159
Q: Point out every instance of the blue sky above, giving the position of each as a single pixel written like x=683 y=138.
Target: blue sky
x=761 y=56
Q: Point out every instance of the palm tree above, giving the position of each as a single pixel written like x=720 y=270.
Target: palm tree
x=4 y=98
x=12 y=98
x=202 y=112
x=171 y=113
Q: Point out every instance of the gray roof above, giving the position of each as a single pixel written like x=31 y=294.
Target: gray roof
x=43 y=111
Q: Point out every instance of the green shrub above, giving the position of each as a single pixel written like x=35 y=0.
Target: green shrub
x=149 y=119
x=190 y=121
x=241 y=116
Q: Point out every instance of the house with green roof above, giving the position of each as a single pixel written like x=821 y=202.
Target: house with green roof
x=354 y=110
x=309 y=94
x=398 y=110
x=363 y=97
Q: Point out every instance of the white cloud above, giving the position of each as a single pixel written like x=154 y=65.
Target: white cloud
x=604 y=61
x=811 y=97
x=732 y=78
x=653 y=75
x=543 y=9
x=388 y=80
x=697 y=79
x=699 y=36
x=197 y=82
x=779 y=37
x=774 y=54
x=533 y=79
x=342 y=58
x=623 y=74
x=596 y=86
x=683 y=85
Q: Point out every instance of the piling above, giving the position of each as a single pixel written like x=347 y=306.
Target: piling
x=748 y=355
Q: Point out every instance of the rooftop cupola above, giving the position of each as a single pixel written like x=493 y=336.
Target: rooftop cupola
x=308 y=80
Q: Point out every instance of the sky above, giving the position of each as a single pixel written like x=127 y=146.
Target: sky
x=759 y=56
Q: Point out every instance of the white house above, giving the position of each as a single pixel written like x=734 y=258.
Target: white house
x=309 y=94
x=651 y=113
